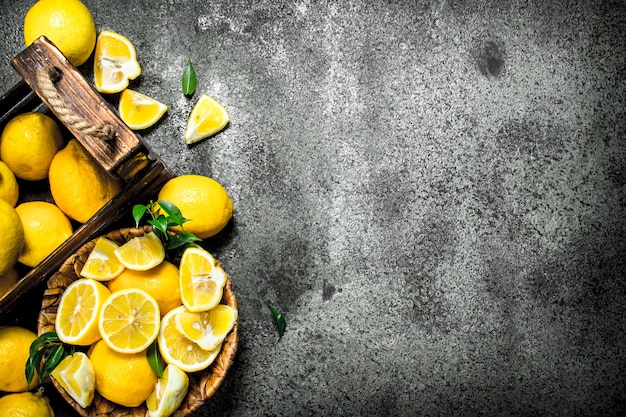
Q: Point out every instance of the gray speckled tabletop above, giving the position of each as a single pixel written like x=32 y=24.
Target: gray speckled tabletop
x=433 y=192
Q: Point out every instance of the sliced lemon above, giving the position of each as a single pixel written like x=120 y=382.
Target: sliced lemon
x=79 y=308
x=169 y=392
x=207 y=118
x=102 y=263
x=141 y=252
x=115 y=62
x=202 y=279
x=76 y=375
x=129 y=320
x=138 y=110
x=176 y=349
x=207 y=328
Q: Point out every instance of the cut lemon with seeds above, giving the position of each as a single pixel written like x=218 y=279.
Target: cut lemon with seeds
x=169 y=392
x=102 y=263
x=207 y=328
x=207 y=118
x=202 y=279
x=115 y=62
x=79 y=308
x=129 y=320
x=138 y=110
x=141 y=252
x=176 y=349
x=76 y=375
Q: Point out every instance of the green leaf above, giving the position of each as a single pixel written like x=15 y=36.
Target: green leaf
x=51 y=360
x=155 y=360
x=189 y=79
x=180 y=239
x=279 y=319
x=160 y=223
x=44 y=355
x=174 y=214
x=138 y=212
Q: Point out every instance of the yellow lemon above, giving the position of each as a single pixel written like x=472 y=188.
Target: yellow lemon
x=13 y=236
x=79 y=185
x=7 y=280
x=9 y=189
x=78 y=312
x=115 y=62
x=202 y=200
x=161 y=282
x=139 y=111
x=76 y=375
x=141 y=252
x=207 y=118
x=15 y=344
x=176 y=349
x=207 y=328
x=67 y=23
x=169 y=392
x=45 y=229
x=102 y=263
x=129 y=320
x=123 y=378
x=26 y=404
x=28 y=143
x=202 y=280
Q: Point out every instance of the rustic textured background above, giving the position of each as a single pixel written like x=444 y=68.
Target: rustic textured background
x=434 y=193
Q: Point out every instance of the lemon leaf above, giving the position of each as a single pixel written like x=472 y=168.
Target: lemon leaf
x=45 y=354
x=174 y=215
x=154 y=358
x=138 y=212
x=189 y=79
x=279 y=319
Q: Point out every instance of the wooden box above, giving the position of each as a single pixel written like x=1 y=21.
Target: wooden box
x=53 y=86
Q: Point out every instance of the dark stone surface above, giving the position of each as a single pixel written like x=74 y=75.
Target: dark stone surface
x=432 y=192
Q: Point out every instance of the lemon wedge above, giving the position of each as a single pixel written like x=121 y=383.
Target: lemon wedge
x=141 y=252
x=76 y=375
x=138 y=110
x=115 y=62
x=102 y=264
x=169 y=392
x=207 y=328
x=202 y=279
x=207 y=118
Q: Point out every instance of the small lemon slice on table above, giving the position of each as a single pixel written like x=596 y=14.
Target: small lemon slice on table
x=79 y=308
x=115 y=62
x=138 y=110
x=202 y=279
x=76 y=375
x=207 y=328
x=176 y=349
x=129 y=320
x=141 y=252
x=169 y=392
x=102 y=263
x=207 y=118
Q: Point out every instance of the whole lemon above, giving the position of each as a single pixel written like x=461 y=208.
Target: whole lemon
x=9 y=189
x=7 y=280
x=78 y=184
x=28 y=143
x=26 y=404
x=126 y=379
x=161 y=282
x=13 y=236
x=202 y=200
x=67 y=23
x=15 y=344
x=45 y=229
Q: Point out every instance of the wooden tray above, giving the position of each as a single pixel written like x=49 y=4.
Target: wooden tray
x=53 y=86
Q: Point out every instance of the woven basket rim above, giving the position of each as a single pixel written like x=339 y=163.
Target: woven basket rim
x=202 y=385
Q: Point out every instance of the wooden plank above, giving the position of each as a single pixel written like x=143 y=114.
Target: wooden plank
x=124 y=155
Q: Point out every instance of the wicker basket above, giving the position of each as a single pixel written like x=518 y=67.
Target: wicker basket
x=202 y=385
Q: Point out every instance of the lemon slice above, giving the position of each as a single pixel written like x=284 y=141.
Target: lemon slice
x=79 y=307
x=141 y=252
x=207 y=118
x=207 y=328
x=169 y=393
x=202 y=279
x=102 y=264
x=129 y=320
x=138 y=110
x=176 y=349
x=76 y=375
x=115 y=62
